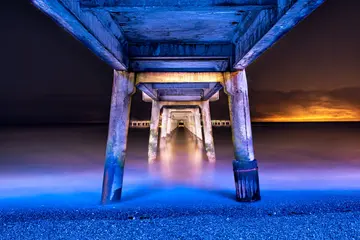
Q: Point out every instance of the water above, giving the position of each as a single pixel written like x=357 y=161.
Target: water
x=69 y=160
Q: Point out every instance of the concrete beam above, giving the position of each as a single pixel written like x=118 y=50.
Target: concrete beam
x=146 y=97
x=180 y=105
x=148 y=90
x=180 y=92
x=211 y=91
x=212 y=9
x=168 y=57
x=184 y=64
x=179 y=5
x=104 y=39
x=215 y=97
x=268 y=27
x=180 y=50
x=180 y=85
x=181 y=98
x=179 y=77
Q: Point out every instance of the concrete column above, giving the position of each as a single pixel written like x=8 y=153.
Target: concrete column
x=168 y=125
x=192 y=120
x=190 y=125
x=163 y=128
x=164 y=119
x=186 y=124
x=123 y=88
x=198 y=124
x=174 y=125
x=245 y=166
x=208 y=136
x=154 y=130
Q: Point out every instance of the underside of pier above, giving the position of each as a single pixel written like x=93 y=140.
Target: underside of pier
x=179 y=54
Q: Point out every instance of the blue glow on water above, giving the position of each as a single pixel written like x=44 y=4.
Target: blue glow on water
x=67 y=171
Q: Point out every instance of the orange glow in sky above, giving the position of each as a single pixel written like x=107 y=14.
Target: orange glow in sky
x=314 y=114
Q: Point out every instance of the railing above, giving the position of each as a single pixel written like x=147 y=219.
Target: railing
x=139 y=124
x=146 y=124
x=221 y=123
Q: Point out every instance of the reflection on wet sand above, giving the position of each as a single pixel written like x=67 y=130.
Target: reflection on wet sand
x=181 y=158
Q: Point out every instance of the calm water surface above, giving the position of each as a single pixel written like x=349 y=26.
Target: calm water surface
x=65 y=159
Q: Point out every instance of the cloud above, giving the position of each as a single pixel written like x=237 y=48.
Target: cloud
x=299 y=105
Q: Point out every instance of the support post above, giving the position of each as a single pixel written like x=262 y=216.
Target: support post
x=174 y=125
x=154 y=130
x=123 y=88
x=244 y=166
x=168 y=125
x=193 y=126
x=198 y=124
x=164 y=118
x=208 y=136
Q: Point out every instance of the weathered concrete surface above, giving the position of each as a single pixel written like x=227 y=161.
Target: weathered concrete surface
x=106 y=41
x=183 y=114
x=147 y=50
x=177 y=65
x=154 y=131
x=245 y=166
x=208 y=136
x=123 y=88
x=166 y=35
x=268 y=27
x=237 y=90
x=164 y=119
x=179 y=77
x=180 y=86
x=168 y=125
x=187 y=21
x=191 y=118
x=198 y=126
x=207 y=124
x=178 y=5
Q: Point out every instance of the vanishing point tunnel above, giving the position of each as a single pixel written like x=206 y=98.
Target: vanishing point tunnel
x=179 y=54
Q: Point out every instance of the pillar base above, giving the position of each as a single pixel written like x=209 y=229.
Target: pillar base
x=246 y=181
x=117 y=195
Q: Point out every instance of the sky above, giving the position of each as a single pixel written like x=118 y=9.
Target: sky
x=312 y=74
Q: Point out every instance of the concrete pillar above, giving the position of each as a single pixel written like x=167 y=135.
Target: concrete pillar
x=163 y=128
x=174 y=125
x=245 y=166
x=190 y=124
x=123 y=88
x=164 y=119
x=186 y=124
x=168 y=125
x=154 y=130
x=208 y=136
x=192 y=120
x=198 y=124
